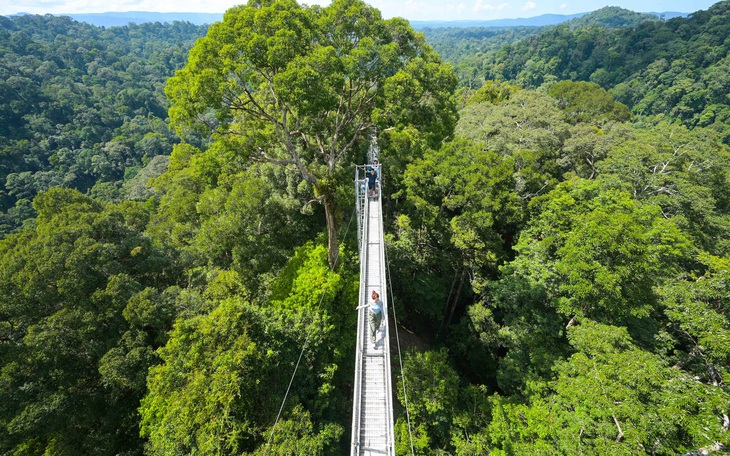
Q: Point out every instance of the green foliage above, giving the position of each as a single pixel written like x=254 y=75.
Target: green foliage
x=457 y=222
x=518 y=327
x=82 y=106
x=588 y=102
x=575 y=265
x=296 y=435
x=493 y=92
x=682 y=171
x=588 y=145
x=675 y=68
x=473 y=413
x=74 y=359
x=225 y=214
x=599 y=253
x=433 y=390
x=209 y=396
x=305 y=88
x=465 y=48
x=698 y=313
x=529 y=128
x=410 y=439
x=302 y=278
x=225 y=373
x=610 y=397
x=399 y=148
x=610 y=17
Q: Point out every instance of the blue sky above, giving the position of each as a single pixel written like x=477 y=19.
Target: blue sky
x=410 y=9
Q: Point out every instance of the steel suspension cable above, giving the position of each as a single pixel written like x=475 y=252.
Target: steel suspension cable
x=400 y=357
x=301 y=353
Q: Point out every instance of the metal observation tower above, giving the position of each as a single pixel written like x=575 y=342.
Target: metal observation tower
x=372 y=411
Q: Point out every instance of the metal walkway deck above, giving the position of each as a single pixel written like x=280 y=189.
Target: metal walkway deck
x=372 y=415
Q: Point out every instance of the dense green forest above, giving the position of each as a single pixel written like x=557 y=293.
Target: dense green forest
x=675 y=70
x=470 y=49
x=178 y=235
x=83 y=107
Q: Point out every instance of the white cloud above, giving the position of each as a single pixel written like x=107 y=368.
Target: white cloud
x=529 y=6
x=415 y=7
x=451 y=8
x=481 y=6
x=563 y=6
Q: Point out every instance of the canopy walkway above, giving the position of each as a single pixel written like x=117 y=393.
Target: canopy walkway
x=372 y=414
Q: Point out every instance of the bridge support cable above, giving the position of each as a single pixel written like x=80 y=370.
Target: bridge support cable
x=372 y=415
x=301 y=353
x=400 y=358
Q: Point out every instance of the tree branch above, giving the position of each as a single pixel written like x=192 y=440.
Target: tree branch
x=706 y=450
x=274 y=160
x=572 y=321
x=618 y=426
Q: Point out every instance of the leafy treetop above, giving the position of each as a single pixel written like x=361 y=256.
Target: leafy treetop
x=304 y=87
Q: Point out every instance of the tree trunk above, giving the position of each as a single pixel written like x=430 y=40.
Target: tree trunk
x=448 y=302
x=330 y=212
x=454 y=303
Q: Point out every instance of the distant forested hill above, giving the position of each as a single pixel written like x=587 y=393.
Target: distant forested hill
x=82 y=106
x=470 y=48
x=537 y=21
x=466 y=47
x=612 y=17
x=678 y=68
x=139 y=17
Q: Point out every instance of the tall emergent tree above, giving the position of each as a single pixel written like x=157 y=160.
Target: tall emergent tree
x=304 y=87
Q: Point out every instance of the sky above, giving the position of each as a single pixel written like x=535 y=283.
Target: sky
x=415 y=10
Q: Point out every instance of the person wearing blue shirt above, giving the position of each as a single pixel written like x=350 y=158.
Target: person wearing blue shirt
x=375 y=316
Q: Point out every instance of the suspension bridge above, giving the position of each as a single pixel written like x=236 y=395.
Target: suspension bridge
x=372 y=411
x=372 y=408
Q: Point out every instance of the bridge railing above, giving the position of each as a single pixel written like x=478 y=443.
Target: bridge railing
x=390 y=433
x=376 y=252
x=360 y=344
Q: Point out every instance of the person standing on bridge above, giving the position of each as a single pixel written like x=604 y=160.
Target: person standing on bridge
x=375 y=316
x=372 y=178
